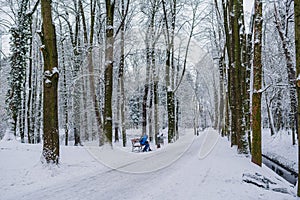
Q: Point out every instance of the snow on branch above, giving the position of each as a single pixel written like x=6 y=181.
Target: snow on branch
x=298 y=80
x=262 y=89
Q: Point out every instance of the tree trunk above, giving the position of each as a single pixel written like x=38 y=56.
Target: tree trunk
x=30 y=133
x=222 y=96
x=64 y=87
x=297 y=39
x=121 y=89
x=50 y=105
x=216 y=105
x=66 y=97
x=257 y=84
x=123 y=122
x=169 y=74
x=21 y=129
x=39 y=93
x=108 y=74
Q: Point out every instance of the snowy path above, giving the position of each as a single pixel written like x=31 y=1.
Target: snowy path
x=218 y=175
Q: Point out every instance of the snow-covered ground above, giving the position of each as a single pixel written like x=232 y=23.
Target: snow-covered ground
x=280 y=148
x=203 y=167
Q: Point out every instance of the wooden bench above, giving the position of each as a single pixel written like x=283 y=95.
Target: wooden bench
x=136 y=145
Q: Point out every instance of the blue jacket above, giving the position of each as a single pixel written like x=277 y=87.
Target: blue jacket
x=143 y=140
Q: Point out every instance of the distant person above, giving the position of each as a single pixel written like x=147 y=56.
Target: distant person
x=144 y=142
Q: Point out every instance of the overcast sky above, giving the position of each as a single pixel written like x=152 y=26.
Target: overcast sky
x=248 y=4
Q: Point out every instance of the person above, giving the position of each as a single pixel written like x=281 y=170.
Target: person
x=160 y=139
x=144 y=142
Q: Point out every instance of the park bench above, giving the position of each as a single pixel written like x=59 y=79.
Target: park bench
x=136 y=145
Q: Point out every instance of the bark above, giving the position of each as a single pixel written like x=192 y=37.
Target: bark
x=216 y=101
x=222 y=97
x=30 y=133
x=50 y=117
x=234 y=74
x=21 y=129
x=241 y=138
x=65 y=96
x=120 y=115
x=154 y=34
x=123 y=122
x=168 y=72
x=147 y=82
x=248 y=64
x=39 y=95
x=150 y=114
x=108 y=74
x=297 y=42
x=228 y=27
x=121 y=79
x=257 y=84
x=86 y=120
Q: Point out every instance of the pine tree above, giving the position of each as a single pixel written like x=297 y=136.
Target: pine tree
x=19 y=46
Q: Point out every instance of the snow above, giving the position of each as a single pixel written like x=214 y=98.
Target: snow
x=280 y=147
x=47 y=73
x=8 y=136
x=298 y=77
x=55 y=70
x=47 y=81
x=172 y=172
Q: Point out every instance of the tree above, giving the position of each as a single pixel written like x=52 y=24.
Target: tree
x=283 y=34
x=50 y=109
x=20 y=34
x=257 y=84
x=89 y=45
x=236 y=74
x=108 y=73
x=121 y=89
x=297 y=39
x=169 y=76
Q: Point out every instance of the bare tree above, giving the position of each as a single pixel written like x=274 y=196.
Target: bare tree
x=108 y=73
x=50 y=105
x=297 y=39
x=257 y=84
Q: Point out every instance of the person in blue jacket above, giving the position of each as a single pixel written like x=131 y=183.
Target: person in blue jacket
x=144 y=141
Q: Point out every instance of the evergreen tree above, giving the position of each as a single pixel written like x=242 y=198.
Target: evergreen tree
x=19 y=46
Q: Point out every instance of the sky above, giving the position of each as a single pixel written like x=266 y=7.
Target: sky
x=248 y=4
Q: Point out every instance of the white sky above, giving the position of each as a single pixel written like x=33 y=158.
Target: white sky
x=248 y=4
